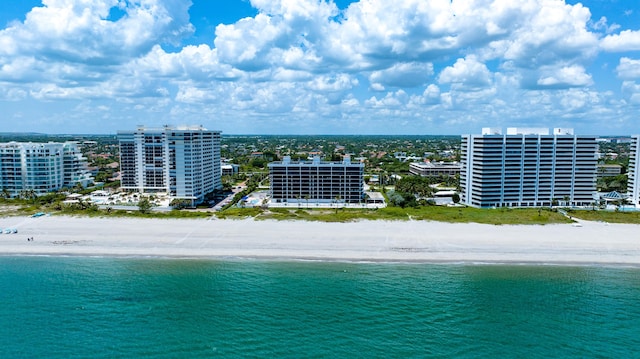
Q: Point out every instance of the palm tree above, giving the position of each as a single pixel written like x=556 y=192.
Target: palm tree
x=78 y=187
x=28 y=194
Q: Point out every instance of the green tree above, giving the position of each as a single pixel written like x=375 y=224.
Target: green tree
x=144 y=205
x=396 y=199
x=102 y=176
x=402 y=199
x=416 y=185
x=180 y=203
x=5 y=193
x=226 y=186
x=28 y=194
x=77 y=187
x=258 y=162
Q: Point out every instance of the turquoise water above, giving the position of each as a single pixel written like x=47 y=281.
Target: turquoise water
x=165 y=308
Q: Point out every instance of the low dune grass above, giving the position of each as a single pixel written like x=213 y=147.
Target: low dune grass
x=431 y=213
x=607 y=216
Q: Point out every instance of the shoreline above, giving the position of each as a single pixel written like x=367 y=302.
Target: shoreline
x=590 y=244
x=265 y=259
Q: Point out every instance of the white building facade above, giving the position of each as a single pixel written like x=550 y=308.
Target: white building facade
x=528 y=167
x=633 y=171
x=435 y=169
x=41 y=167
x=75 y=166
x=316 y=181
x=183 y=162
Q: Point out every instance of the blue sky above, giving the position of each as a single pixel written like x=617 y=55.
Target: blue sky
x=320 y=67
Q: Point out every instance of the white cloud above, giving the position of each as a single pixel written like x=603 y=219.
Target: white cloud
x=577 y=100
x=631 y=90
x=286 y=75
x=563 y=77
x=377 y=35
x=552 y=31
x=376 y=87
x=391 y=100
x=628 y=69
x=196 y=63
x=557 y=76
x=12 y=94
x=430 y=96
x=466 y=74
x=80 y=32
x=284 y=33
x=247 y=43
x=602 y=25
x=403 y=75
x=332 y=84
x=302 y=63
x=70 y=49
x=627 y=40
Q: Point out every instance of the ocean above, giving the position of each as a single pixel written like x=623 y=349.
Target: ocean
x=74 y=307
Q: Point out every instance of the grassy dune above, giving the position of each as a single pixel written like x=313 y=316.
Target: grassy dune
x=607 y=216
x=441 y=214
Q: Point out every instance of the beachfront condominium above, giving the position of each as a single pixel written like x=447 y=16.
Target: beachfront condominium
x=316 y=181
x=528 y=167
x=183 y=161
x=41 y=167
x=633 y=171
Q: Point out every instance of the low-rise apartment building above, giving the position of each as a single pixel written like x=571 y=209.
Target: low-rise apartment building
x=603 y=170
x=316 y=181
x=435 y=169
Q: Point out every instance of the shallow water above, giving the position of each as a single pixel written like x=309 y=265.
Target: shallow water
x=70 y=307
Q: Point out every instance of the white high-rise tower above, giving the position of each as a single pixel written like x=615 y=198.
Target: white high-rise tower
x=633 y=171
x=181 y=161
x=528 y=167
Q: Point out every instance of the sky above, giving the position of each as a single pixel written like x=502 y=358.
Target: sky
x=418 y=67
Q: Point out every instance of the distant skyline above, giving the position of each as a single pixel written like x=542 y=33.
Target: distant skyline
x=320 y=67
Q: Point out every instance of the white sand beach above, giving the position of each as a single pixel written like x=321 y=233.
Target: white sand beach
x=401 y=241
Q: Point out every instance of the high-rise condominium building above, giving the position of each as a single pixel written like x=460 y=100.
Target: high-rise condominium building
x=633 y=171
x=528 y=167
x=316 y=181
x=75 y=166
x=183 y=162
x=41 y=167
